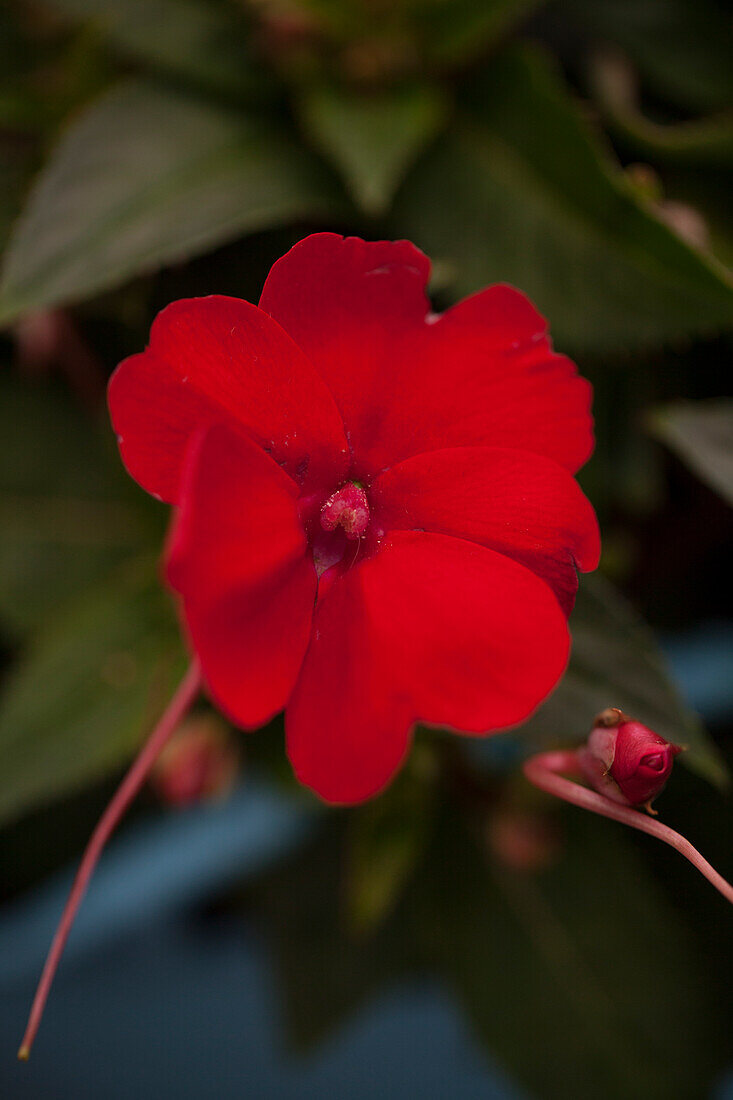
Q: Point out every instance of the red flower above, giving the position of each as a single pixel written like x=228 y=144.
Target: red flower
x=376 y=518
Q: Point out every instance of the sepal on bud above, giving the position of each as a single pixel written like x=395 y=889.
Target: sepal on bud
x=625 y=760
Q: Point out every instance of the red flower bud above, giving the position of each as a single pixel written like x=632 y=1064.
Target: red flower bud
x=625 y=760
x=522 y=840
x=199 y=762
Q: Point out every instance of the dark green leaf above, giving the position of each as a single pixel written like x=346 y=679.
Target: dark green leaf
x=616 y=663
x=197 y=40
x=456 y=30
x=387 y=838
x=325 y=971
x=12 y=179
x=145 y=177
x=81 y=698
x=580 y=980
x=68 y=512
x=372 y=138
x=701 y=432
x=523 y=193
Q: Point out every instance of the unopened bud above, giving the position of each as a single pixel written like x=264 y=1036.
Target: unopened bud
x=625 y=760
x=199 y=762
x=522 y=840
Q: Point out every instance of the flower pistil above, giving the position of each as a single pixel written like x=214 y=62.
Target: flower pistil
x=348 y=507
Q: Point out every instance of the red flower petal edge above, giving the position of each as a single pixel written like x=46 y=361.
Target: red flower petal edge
x=377 y=521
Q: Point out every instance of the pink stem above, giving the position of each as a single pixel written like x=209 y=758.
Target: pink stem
x=541 y=770
x=128 y=788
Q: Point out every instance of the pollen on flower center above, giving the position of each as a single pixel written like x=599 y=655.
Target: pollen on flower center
x=348 y=507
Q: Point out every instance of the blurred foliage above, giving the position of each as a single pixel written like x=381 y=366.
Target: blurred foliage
x=69 y=514
x=91 y=683
x=555 y=970
x=203 y=44
x=580 y=149
x=682 y=50
x=372 y=137
x=702 y=433
x=146 y=176
x=520 y=190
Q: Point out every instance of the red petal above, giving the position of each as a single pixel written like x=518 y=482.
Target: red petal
x=348 y=303
x=521 y=504
x=219 y=358
x=239 y=557
x=409 y=381
x=432 y=628
x=485 y=374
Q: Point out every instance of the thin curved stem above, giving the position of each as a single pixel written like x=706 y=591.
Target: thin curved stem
x=541 y=770
x=125 y=793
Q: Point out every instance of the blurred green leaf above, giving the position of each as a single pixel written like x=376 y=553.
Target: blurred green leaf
x=704 y=141
x=325 y=971
x=581 y=979
x=682 y=48
x=701 y=433
x=68 y=512
x=12 y=180
x=694 y=158
x=77 y=703
x=457 y=30
x=372 y=137
x=199 y=41
x=615 y=662
x=522 y=192
x=387 y=837
x=147 y=176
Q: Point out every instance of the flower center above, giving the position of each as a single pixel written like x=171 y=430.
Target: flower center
x=348 y=507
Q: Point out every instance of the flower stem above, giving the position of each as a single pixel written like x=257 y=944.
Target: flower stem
x=541 y=770
x=125 y=793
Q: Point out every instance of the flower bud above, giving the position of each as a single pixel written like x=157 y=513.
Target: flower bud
x=199 y=762
x=625 y=760
x=522 y=839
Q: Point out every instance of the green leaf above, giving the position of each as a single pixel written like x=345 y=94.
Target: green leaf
x=325 y=971
x=372 y=137
x=457 y=30
x=147 y=176
x=387 y=838
x=522 y=192
x=616 y=663
x=80 y=700
x=196 y=40
x=694 y=158
x=68 y=512
x=701 y=433
x=582 y=973
x=12 y=179
x=581 y=979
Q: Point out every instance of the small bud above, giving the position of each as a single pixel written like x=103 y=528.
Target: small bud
x=625 y=760
x=199 y=762
x=522 y=840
